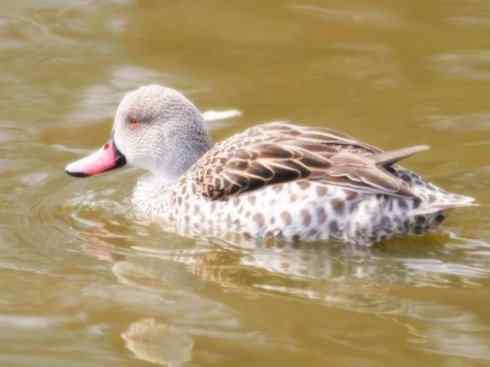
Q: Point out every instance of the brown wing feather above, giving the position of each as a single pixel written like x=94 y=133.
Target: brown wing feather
x=279 y=152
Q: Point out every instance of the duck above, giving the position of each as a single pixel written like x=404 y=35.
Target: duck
x=276 y=180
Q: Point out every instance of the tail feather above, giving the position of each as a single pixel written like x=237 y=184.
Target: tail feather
x=392 y=156
x=453 y=201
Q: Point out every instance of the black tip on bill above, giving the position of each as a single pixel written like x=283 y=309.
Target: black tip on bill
x=76 y=174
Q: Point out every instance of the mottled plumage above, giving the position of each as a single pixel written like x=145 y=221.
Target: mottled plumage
x=273 y=181
x=289 y=182
x=276 y=153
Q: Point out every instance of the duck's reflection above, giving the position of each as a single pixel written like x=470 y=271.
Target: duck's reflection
x=158 y=342
x=378 y=282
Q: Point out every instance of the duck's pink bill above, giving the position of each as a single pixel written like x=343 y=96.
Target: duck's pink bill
x=105 y=159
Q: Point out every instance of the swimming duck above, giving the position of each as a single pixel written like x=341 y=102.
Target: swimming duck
x=276 y=180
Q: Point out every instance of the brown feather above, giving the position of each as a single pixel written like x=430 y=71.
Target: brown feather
x=279 y=152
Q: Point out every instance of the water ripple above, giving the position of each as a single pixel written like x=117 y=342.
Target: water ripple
x=472 y=65
x=368 y=17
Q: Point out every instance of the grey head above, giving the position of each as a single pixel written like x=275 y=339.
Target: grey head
x=155 y=128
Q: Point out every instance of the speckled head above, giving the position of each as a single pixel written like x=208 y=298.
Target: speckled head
x=155 y=128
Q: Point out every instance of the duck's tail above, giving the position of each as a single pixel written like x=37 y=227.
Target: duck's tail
x=393 y=156
x=443 y=203
x=433 y=200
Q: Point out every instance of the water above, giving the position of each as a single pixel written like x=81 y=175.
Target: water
x=85 y=284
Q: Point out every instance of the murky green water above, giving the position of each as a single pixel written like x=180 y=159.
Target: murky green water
x=84 y=284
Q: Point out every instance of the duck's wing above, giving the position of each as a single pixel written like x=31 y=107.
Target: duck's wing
x=280 y=152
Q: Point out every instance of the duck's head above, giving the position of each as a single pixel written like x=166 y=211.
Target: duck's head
x=155 y=128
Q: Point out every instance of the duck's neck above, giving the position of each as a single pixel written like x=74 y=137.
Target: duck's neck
x=178 y=163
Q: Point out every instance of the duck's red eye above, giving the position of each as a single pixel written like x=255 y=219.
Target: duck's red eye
x=133 y=123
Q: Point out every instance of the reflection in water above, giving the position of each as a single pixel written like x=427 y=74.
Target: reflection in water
x=187 y=315
x=158 y=343
x=371 y=281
